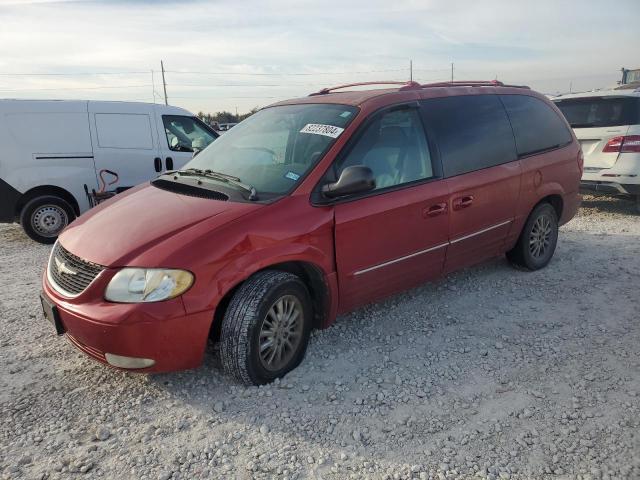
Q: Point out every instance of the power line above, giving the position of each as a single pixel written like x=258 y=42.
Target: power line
x=69 y=74
x=73 y=88
x=286 y=74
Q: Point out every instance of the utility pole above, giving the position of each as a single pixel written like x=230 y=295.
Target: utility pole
x=164 y=84
x=411 y=70
x=153 y=87
x=451 y=72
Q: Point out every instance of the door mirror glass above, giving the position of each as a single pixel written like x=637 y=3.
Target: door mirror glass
x=353 y=179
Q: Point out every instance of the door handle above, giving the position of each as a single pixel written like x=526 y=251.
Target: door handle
x=169 y=163
x=462 y=202
x=434 y=210
x=157 y=164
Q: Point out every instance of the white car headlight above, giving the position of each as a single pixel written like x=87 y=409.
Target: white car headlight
x=137 y=285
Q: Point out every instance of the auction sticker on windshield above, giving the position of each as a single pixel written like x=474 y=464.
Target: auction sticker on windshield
x=319 y=129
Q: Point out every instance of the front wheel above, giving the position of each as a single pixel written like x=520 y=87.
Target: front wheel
x=538 y=239
x=266 y=327
x=43 y=218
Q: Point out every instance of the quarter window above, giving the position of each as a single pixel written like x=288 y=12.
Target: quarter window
x=472 y=132
x=394 y=147
x=536 y=126
x=186 y=134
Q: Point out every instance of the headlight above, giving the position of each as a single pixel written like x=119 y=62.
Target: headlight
x=136 y=285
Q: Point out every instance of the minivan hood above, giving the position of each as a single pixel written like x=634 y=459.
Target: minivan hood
x=117 y=232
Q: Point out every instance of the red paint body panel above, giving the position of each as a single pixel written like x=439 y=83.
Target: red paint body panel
x=365 y=249
x=494 y=194
x=384 y=228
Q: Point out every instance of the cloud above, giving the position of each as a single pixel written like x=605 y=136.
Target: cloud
x=546 y=44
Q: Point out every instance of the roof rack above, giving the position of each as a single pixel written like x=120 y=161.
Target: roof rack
x=405 y=86
x=411 y=85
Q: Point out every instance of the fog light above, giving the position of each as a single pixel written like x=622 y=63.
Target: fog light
x=128 y=362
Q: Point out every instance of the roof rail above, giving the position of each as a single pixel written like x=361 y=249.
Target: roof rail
x=411 y=85
x=405 y=86
x=472 y=83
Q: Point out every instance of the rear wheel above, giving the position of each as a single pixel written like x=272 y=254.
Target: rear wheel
x=43 y=218
x=266 y=327
x=538 y=239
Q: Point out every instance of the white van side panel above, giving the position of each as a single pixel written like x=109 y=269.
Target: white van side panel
x=54 y=133
x=47 y=143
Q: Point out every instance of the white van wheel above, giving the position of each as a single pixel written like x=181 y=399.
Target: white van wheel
x=43 y=218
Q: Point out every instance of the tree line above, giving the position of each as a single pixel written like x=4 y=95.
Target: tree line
x=224 y=117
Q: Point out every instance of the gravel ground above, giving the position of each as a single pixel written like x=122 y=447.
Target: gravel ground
x=489 y=373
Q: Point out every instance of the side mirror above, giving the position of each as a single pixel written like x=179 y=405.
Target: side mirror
x=196 y=151
x=354 y=179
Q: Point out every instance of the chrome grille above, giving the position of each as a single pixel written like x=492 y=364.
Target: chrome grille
x=69 y=274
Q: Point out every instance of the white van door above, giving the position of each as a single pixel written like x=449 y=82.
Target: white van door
x=180 y=136
x=125 y=141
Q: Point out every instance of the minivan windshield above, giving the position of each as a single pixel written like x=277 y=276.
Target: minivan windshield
x=590 y=112
x=274 y=148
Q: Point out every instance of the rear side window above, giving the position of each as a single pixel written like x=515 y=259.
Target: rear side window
x=472 y=132
x=593 y=112
x=124 y=130
x=536 y=126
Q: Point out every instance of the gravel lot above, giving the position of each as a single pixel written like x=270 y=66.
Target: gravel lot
x=489 y=373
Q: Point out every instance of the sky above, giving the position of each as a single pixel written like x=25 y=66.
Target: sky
x=239 y=54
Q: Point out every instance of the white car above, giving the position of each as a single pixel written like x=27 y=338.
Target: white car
x=54 y=153
x=607 y=124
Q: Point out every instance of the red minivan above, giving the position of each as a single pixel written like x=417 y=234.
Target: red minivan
x=307 y=209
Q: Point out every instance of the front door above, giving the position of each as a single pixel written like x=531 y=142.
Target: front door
x=180 y=137
x=124 y=141
x=395 y=236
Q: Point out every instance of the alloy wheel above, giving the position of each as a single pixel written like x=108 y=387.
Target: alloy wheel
x=281 y=332
x=540 y=237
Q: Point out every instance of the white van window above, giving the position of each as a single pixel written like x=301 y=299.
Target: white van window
x=44 y=132
x=184 y=134
x=124 y=130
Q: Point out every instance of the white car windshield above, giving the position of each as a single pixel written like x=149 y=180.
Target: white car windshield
x=273 y=149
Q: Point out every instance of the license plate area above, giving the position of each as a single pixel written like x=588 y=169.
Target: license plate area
x=51 y=313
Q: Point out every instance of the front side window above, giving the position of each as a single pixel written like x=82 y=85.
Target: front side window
x=536 y=126
x=472 y=132
x=594 y=112
x=394 y=147
x=274 y=148
x=186 y=134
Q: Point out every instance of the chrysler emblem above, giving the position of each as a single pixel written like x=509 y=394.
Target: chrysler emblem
x=62 y=268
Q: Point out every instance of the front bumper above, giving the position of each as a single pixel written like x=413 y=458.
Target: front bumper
x=160 y=331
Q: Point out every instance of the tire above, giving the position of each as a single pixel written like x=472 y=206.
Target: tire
x=250 y=322
x=538 y=239
x=43 y=218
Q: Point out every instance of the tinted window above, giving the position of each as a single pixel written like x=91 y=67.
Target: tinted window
x=472 y=132
x=536 y=126
x=600 y=111
x=394 y=147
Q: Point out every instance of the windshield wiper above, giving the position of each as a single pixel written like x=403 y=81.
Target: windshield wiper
x=223 y=177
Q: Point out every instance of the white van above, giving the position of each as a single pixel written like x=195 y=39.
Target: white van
x=52 y=153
